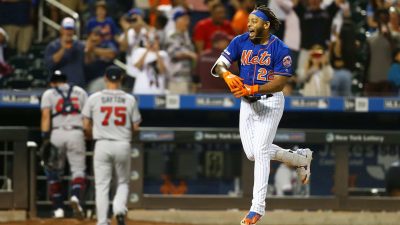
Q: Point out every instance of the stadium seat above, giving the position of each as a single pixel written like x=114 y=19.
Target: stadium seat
x=18 y=83
x=21 y=62
x=40 y=74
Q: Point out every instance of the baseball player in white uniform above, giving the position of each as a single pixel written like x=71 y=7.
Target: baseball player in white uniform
x=114 y=116
x=61 y=124
x=265 y=66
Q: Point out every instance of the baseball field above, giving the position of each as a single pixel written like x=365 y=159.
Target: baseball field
x=233 y=217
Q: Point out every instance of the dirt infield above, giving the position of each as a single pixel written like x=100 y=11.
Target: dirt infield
x=77 y=222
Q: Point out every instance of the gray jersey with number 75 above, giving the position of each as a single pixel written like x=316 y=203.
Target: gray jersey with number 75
x=113 y=112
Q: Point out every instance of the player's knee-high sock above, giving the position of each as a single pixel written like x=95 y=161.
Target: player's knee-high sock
x=288 y=156
x=78 y=186
x=55 y=193
x=55 y=189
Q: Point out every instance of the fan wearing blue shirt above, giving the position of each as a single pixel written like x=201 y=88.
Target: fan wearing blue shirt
x=108 y=27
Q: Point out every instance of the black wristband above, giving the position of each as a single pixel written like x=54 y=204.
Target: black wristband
x=45 y=135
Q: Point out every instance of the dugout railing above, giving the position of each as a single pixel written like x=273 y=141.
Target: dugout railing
x=24 y=190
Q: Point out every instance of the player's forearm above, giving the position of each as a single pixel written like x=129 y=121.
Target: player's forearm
x=58 y=55
x=220 y=68
x=45 y=121
x=87 y=128
x=135 y=129
x=272 y=87
x=45 y=126
x=88 y=133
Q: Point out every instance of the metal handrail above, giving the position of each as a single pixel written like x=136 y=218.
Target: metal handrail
x=120 y=64
x=46 y=20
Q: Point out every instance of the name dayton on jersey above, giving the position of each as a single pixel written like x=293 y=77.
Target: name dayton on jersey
x=110 y=99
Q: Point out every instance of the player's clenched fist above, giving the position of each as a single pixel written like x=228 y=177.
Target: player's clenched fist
x=232 y=80
x=245 y=90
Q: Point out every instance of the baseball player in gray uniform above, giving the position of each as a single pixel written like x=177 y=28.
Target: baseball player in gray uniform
x=114 y=116
x=61 y=124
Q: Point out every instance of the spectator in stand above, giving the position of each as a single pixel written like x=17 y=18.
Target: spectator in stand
x=396 y=4
x=318 y=73
x=125 y=24
x=15 y=18
x=115 y=8
x=66 y=54
x=160 y=31
x=154 y=5
x=133 y=38
x=239 y=20
x=220 y=41
x=343 y=13
x=205 y=28
x=281 y=8
x=100 y=54
x=394 y=71
x=199 y=9
x=3 y=43
x=183 y=56
x=380 y=46
x=343 y=56
x=169 y=11
x=372 y=7
x=291 y=31
x=5 y=69
x=78 y=6
x=315 y=22
x=394 y=20
x=315 y=26
x=152 y=65
x=107 y=25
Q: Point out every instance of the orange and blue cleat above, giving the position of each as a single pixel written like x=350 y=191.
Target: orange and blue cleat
x=251 y=218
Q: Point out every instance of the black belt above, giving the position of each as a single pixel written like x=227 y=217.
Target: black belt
x=68 y=128
x=252 y=99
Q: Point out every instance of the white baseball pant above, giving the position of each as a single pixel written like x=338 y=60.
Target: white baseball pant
x=111 y=155
x=258 y=124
